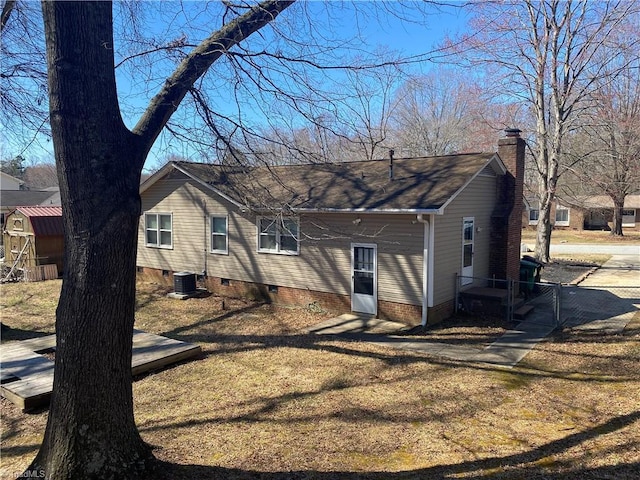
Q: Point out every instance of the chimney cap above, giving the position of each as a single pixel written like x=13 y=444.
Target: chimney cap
x=513 y=132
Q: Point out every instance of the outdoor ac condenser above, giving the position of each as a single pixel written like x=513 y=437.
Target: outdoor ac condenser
x=184 y=282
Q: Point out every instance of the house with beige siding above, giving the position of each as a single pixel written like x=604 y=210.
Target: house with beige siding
x=384 y=237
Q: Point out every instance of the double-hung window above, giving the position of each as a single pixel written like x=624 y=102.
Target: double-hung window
x=279 y=235
x=534 y=214
x=219 y=234
x=158 y=230
x=562 y=216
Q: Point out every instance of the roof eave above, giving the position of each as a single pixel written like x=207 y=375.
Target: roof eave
x=379 y=211
x=174 y=166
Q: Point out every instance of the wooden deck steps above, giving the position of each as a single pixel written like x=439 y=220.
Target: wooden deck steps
x=26 y=377
x=522 y=311
x=484 y=300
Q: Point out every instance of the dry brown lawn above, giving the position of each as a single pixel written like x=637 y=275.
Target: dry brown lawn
x=585 y=236
x=269 y=401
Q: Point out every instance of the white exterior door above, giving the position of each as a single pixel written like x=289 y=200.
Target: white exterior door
x=364 y=282
x=467 y=250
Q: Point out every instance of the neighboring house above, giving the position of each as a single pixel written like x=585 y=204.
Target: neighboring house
x=587 y=213
x=7 y=182
x=597 y=212
x=562 y=215
x=10 y=199
x=34 y=237
x=382 y=237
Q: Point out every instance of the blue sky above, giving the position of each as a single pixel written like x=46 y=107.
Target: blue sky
x=408 y=38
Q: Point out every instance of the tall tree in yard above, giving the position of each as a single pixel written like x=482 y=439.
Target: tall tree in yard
x=608 y=144
x=91 y=432
x=549 y=56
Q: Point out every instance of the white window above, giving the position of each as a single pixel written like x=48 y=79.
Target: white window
x=534 y=214
x=629 y=217
x=219 y=234
x=279 y=235
x=158 y=230
x=468 y=227
x=562 y=216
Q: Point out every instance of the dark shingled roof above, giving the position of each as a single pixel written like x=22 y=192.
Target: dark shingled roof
x=418 y=184
x=14 y=198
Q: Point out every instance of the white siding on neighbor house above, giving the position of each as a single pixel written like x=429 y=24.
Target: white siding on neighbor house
x=324 y=260
x=477 y=200
x=7 y=182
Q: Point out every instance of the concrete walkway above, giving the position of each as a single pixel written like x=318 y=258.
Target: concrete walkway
x=608 y=316
x=507 y=351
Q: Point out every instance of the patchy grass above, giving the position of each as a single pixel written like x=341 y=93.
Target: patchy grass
x=268 y=401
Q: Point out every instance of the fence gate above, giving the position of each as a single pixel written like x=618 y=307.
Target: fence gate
x=539 y=303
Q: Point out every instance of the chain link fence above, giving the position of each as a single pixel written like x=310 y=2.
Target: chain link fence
x=606 y=308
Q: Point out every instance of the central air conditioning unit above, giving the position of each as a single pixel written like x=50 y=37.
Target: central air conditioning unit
x=184 y=282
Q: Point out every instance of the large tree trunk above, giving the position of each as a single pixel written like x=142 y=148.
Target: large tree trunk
x=618 y=206
x=543 y=233
x=91 y=432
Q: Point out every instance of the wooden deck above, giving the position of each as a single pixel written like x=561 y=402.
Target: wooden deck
x=26 y=376
x=484 y=300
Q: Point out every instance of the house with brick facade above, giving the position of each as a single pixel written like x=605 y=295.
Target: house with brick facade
x=593 y=212
x=383 y=237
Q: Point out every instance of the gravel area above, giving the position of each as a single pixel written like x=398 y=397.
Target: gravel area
x=566 y=271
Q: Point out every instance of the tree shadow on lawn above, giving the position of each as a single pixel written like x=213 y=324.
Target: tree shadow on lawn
x=177 y=333
x=536 y=463
x=12 y=334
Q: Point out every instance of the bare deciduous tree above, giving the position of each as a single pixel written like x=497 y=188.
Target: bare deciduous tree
x=23 y=75
x=608 y=143
x=41 y=175
x=437 y=114
x=91 y=432
x=549 y=56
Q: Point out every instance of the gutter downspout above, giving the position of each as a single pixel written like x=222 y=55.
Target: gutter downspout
x=426 y=254
x=205 y=215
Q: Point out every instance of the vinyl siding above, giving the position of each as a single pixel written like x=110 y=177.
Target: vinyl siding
x=324 y=260
x=478 y=201
x=399 y=242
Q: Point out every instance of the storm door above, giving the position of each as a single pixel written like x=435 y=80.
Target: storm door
x=364 y=289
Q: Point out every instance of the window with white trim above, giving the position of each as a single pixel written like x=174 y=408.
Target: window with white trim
x=629 y=217
x=219 y=234
x=158 y=230
x=562 y=216
x=534 y=214
x=279 y=235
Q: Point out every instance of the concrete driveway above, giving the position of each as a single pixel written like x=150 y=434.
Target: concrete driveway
x=609 y=249
x=606 y=300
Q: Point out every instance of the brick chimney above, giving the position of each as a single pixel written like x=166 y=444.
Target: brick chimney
x=507 y=218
